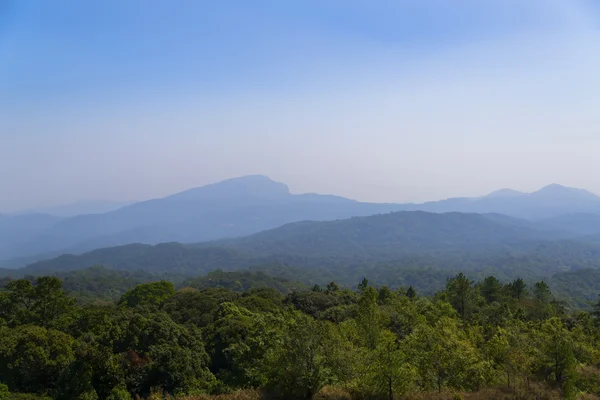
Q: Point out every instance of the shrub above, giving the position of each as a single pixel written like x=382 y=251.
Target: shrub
x=332 y=393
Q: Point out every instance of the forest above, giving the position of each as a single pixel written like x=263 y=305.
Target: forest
x=251 y=336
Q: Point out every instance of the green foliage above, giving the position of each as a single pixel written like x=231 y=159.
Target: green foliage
x=4 y=392
x=298 y=367
x=32 y=358
x=119 y=393
x=42 y=302
x=295 y=343
x=241 y=281
x=148 y=294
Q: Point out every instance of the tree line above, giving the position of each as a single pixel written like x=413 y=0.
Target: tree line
x=484 y=338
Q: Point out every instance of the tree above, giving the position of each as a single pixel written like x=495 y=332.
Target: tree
x=512 y=351
x=542 y=297
x=297 y=366
x=32 y=358
x=557 y=358
x=444 y=357
x=491 y=289
x=157 y=352
x=332 y=287
x=459 y=291
x=42 y=303
x=385 y=371
x=369 y=318
x=517 y=289
x=385 y=295
x=411 y=293
x=363 y=285
x=541 y=292
x=237 y=341
x=148 y=294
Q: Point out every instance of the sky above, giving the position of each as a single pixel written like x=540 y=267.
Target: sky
x=376 y=100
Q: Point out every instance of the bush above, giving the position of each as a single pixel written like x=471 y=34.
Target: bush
x=119 y=394
x=239 y=395
x=4 y=392
x=332 y=393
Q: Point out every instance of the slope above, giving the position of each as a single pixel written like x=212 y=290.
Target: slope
x=235 y=207
x=390 y=241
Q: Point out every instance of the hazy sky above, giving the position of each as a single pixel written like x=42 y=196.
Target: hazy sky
x=379 y=100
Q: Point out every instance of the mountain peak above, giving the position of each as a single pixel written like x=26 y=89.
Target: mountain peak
x=250 y=186
x=504 y=193
x=559 y=191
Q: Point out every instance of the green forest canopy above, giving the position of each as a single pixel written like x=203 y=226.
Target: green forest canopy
x=480 y=338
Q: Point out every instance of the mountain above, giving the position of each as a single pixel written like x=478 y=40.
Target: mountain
x=550 y=201
x=505 y=193
x=578 y=224
x=243 y=206
x=16 y=230
x=392 y=242
x=82 y=207
x=387 y=236
x=235 y=207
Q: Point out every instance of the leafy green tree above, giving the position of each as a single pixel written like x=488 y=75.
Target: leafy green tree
x=42 y=303
x=385 y=370
x=332 y=287
x=148 y=294
x=76 y=382
x=157 y=352
x=369 y=317
x=542 y=293
x=363 y=285
x=557 y=356
x=297 y=367
x=32 y=358
x=444 y=357
x=411 y=293
x=385 y=295
x=460 y=294
x=119 y=393
x=491 y=289
x=517 y=289
x=238 y=341
x=512 y=351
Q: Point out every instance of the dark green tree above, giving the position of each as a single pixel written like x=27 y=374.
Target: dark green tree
x=460 y=294
x=517 y=289
x=148 y=294
x=491 y=289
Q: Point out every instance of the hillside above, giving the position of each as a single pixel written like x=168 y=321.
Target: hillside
x=548 y=202
x=247 y=205
x=81 y=207
x=383 y=247
x=387 y=236
x=231 y=208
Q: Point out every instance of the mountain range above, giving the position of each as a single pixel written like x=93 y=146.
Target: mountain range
x=408 y=247
x=78 y=208
x=248 y=205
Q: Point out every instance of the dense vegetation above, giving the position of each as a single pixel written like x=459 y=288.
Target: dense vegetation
x=477 y=340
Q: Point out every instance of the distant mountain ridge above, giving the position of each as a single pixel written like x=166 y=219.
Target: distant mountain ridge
x=235 y=207
x=548 y=202
x=247 y=205
x=81 y=207
x=405 y=239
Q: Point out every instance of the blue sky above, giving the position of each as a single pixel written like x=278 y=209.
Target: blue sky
x=379 y=100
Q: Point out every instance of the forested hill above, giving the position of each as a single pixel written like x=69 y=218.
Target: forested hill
x=393 y=249
x=247 y=205
x=387 y=236
x=374 y=239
